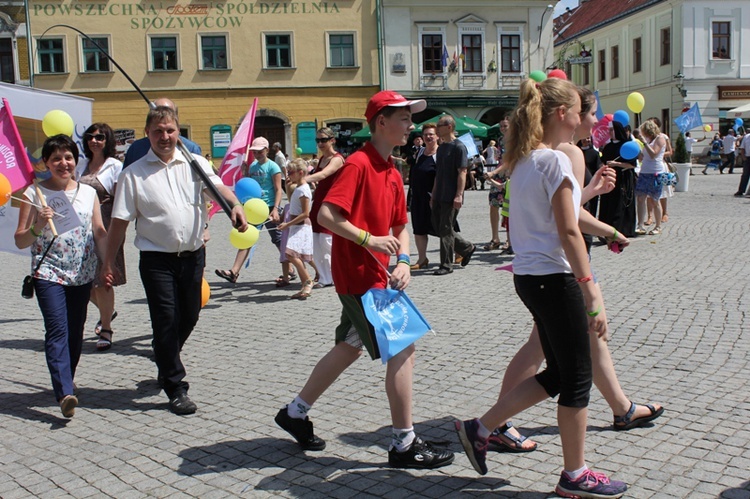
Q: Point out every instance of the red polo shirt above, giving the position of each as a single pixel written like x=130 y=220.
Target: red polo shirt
x=369 y=192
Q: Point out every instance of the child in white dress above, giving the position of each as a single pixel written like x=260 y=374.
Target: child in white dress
x=296 y=228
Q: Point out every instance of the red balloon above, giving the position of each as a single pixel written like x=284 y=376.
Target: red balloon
x=557 y=73
x=609 y=117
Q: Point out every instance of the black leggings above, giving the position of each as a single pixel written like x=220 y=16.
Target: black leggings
x=556 y=303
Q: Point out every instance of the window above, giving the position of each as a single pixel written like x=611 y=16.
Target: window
x=472 y=53
x=432 y=53
x=637 y=61
x=278 y=51
x=602 y=65
x=164 y=53
x=93 y=58
x=720 y=38
x=665 y=120
x=666 y=46
x=341 y=46
x=585 y=80
x=615 y=50
x=7 y=70
x=51 y=55
x=214 y=52
x=510 y=53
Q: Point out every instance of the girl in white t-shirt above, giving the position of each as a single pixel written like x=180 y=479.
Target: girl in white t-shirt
x=297 y=236
x=552 y=278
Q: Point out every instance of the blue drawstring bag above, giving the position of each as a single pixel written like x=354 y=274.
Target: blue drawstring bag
x=395 y=319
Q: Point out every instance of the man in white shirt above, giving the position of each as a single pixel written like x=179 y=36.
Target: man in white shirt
x=689 y=141
x=730 y=141
x=745 y=155
x=166 y=199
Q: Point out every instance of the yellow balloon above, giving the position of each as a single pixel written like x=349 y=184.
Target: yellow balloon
x=57 y=122
x=706 y=128
x=636 y=102
x=244 y=240
x=205 y=292
x=5 y=189
x=256 y=211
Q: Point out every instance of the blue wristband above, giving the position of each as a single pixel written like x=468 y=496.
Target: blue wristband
x=403 y=257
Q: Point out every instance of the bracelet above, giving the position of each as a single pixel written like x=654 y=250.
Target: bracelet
x=235 y=205
x=403 y=257
x=33 y=232
x=363 y=237
x=595 y=312
x=615 y=235
x=584 y=279
x=405 y=262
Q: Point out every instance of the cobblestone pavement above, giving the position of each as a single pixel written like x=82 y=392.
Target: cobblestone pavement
x=676 y=304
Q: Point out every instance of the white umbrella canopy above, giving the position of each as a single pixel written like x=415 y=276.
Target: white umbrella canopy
x=739 y=112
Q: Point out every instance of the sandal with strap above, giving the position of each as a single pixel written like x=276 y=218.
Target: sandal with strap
x=502 y=440
x=228 y=275
x=305 y=292
x=98 y=327
x=627 y=422
x=104 y=343
x=492 y=245
x=654 y=232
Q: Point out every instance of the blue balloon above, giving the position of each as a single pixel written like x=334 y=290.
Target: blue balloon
x=622 y=117
x=247 y=188
x=738 y=122
x=630 y=150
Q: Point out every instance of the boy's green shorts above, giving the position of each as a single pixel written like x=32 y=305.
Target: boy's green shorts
x=355 y=329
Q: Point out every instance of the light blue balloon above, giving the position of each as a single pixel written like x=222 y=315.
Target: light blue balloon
x=247 y=188
x=630 y=150
x=622 y=117
x=738 y=122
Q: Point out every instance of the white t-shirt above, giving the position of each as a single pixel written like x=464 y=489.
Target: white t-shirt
x=745 y=145
x=689 y=141
x=533 y=231
x=729 y=141
x=166 y=200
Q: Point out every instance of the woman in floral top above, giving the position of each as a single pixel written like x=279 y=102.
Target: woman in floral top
x=63 y=280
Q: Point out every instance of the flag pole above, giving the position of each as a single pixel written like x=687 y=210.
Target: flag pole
x=43 y=202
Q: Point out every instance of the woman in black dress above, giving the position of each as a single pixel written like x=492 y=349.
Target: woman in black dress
x=421 y=180
x=617 y=208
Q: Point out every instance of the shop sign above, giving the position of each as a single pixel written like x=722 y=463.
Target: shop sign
x=734 y=92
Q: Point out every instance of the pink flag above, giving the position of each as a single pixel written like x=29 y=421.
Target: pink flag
x=230 y=171
x=14 y=163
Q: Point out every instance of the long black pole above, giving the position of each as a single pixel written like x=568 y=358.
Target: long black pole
x=188 y=156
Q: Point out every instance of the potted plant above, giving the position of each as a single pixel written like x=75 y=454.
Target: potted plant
x=680 y=159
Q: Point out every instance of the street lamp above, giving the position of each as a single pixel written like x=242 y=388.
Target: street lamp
x=541 y=24
x=680 y=86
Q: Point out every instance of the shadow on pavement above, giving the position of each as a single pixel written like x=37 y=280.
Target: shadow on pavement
x=741 y=492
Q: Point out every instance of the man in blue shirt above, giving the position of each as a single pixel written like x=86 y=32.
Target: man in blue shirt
x=140 y=147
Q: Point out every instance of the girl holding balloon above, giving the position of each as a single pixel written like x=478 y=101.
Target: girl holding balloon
x=649 y=187
x=297 y=236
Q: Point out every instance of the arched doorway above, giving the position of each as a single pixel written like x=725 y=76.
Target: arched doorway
x=275 y=127
x=344 y=128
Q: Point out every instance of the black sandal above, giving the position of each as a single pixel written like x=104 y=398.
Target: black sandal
x=98 y=328
x=228 y=275
x=627 y=422
x=104 y=344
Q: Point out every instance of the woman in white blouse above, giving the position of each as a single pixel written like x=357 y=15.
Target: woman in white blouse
x=100 y=170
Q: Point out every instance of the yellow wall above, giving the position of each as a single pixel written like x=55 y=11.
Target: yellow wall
x=201 y=109
x=130 y=22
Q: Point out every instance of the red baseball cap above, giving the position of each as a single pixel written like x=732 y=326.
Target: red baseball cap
x=389 y=98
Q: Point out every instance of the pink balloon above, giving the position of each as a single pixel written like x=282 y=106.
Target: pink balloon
x=557 y=73
x=600 y=133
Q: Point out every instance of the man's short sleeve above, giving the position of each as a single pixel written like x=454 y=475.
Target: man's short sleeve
x=124 y=206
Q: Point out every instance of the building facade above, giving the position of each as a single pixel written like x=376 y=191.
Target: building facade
x=465 y=58
x=14 y=53
x=676 y=53
x=310 y=63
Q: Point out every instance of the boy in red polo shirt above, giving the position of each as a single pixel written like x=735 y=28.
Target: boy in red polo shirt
x=366 y=211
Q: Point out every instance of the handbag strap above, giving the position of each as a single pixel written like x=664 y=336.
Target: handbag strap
x=44 y=255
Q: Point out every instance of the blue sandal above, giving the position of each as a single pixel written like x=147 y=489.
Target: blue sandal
x=498 y=443
x=627 y=422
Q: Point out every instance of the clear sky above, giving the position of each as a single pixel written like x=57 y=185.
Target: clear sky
x=560 y=8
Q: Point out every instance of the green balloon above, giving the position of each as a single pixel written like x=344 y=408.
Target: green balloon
x=298 y=151
x=538 y=76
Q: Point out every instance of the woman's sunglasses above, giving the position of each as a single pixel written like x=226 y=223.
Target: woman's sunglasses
x=320 y=141
x=100 y=137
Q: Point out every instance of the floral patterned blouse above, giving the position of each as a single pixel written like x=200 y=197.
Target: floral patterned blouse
x=71 y=261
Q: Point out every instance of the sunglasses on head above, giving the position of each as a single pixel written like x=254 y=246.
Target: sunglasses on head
x=96 y=136
x=325 y=139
